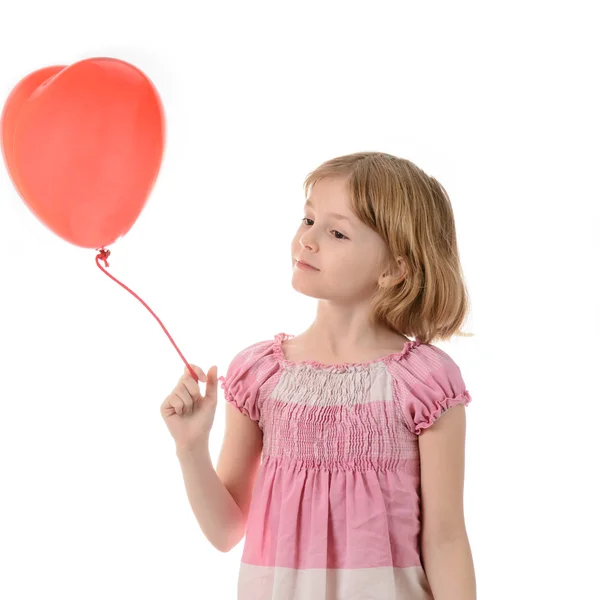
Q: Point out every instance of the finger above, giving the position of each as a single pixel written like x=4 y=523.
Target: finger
x=212 y=382
x=187 y=402
x=188 y=380
x=176 y=403
x=191 y=388
x=199 y=372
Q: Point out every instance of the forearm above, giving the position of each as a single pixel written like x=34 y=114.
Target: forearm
x=217 y=513
x=449 y=568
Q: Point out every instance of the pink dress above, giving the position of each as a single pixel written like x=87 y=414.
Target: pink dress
x=335 y=511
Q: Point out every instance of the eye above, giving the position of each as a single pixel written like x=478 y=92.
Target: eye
x=334 y=231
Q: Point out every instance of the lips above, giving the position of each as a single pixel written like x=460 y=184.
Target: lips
x=307 y=264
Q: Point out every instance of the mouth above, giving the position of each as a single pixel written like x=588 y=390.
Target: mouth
x=304 y=265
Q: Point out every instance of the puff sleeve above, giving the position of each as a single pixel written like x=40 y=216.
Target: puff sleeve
x=246 y=374
x=430 y=396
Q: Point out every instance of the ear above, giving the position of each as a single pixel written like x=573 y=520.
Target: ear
x=394 y=274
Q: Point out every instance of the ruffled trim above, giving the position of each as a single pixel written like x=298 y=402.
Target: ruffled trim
x=338 y=367
x=441 y=407
x=231 y=398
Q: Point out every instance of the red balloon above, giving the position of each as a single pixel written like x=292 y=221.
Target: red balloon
x=83 y=145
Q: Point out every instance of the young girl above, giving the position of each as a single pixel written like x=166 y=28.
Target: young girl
x=336 y=465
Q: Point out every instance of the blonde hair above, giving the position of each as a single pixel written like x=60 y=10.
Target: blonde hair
x=412 y=213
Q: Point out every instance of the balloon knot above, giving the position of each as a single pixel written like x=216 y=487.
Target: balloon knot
x=103 y=255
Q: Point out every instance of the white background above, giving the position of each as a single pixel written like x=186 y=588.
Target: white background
x=498 y=101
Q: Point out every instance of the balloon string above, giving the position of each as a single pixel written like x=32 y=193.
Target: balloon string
x=103 y=255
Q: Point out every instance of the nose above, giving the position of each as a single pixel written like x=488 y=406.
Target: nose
x=307 y=245
x=306 y=240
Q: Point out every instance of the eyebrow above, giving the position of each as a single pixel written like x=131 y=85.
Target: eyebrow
x=337 y=215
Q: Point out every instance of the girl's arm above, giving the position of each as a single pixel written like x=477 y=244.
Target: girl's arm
x=445 y=548
x=220 y=501
x=449 y=567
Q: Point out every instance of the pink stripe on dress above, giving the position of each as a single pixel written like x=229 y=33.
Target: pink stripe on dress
x=310 y=519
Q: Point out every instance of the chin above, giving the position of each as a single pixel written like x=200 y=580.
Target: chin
x=305 y=290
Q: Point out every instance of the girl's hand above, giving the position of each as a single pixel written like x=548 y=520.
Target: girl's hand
x=188 y=414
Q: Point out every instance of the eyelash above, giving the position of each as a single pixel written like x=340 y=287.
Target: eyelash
x=336 y=231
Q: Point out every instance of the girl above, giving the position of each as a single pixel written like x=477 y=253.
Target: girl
x=336 y=465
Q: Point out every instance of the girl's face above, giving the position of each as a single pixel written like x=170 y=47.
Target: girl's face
x=348 y=254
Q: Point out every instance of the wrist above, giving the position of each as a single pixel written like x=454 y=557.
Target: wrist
x=198 y=448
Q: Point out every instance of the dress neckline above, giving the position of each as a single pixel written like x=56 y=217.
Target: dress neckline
x=338 y=367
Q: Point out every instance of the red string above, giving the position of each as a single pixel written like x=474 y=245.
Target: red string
x=103 y=255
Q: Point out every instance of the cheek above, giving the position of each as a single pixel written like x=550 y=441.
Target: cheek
x=356 y=263
x=296 y=240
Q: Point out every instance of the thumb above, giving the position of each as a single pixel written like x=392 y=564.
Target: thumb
x=211 y=377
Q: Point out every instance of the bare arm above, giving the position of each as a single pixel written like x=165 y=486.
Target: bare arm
x=217 y=513
x=220 y=499
x=446 y=552
x=449 y=567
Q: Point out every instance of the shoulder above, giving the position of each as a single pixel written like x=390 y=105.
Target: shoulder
x=427 y=382
x=419 y=360
x=256 y=360
x=251 y=374
x=254 y=352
